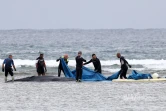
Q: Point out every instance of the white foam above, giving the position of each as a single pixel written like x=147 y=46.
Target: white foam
x=147 y=63
x=117 y=69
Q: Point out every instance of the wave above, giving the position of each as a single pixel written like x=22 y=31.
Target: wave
x=146 y=63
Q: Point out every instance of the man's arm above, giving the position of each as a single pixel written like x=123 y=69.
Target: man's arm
x=88 y=62
x=83 y=60
x=58 y=59
x=13 y=65
x=45 y=66
x=127 y=62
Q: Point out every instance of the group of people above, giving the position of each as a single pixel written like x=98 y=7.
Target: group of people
x=80 y=61
x=97 y=65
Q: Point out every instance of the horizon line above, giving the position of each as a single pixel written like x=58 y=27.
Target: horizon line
x=83 y=29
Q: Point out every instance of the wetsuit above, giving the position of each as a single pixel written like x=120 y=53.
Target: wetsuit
x=40 y=65
x=96 y=63
x=8 y=66
x=60 y=68
x=79 y=63
x=124 y=67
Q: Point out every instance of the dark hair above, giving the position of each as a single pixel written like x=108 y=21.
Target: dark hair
x=93 y=55
x=80 y=52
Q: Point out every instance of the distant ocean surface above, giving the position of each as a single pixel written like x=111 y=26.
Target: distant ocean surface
x=144 y=49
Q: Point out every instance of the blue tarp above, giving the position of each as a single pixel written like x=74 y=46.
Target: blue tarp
x=113 y=76
x=90 y=75
x=66 y=69
x=87 y=74
x=135 y=75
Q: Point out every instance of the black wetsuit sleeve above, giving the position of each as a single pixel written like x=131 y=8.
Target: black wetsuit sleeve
x=83 y=60
x=58 y=59
x=125 y=61
x=37 y=58
x=88 y=62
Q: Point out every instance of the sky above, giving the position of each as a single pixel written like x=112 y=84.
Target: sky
x=82 y=14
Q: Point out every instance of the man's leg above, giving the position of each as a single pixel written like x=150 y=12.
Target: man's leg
x=77 y=74
x=121 y=73
x=38 y=72
x=43 y=72
x=12 y=75
x=59 y=72
x=125 y=72
x=80 y=74
x=6 y=74
x=63 y=71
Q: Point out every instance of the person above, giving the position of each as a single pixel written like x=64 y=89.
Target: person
x=7 y=67
x=41 y=65
x=60 y=68
x=79 y=64
x=124 y=66
x=96 y=63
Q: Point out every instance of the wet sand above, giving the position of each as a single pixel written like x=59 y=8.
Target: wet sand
x=85 y=96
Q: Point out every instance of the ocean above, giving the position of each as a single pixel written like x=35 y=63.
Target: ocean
x=144 y=49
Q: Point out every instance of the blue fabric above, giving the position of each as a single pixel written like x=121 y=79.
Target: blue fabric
x=135 y=75
x=66 y=69
x=90 y=75
x=87 y=74
x=114 y=76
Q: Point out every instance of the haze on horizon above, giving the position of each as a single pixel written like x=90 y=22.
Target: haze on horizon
x=82 y=14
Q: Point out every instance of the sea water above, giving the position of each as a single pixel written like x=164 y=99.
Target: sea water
x=144 y=49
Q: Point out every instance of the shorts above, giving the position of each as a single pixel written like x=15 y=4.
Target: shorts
x=40 y=70
x=9 y=71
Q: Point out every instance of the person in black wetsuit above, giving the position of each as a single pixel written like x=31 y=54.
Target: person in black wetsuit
x=7 y=67
x=60 y=68
x=124 y=66
x=79 y=64
x=96 y=63
x=41 y=65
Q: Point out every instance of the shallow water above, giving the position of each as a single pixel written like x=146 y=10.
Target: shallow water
x=85 y=96
x=144 y=49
